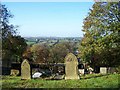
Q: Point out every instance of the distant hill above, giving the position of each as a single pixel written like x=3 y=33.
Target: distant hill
x=51 y=40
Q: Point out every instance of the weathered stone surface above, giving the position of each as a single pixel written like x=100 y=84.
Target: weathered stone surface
x=103 y=70
x=25 y=70
x=81 y=71
x=112 y=70
x=14 y=72
x=59 y=77
x=71 y=67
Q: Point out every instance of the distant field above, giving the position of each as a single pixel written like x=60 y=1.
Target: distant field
x=88 y=81
x=29 y=43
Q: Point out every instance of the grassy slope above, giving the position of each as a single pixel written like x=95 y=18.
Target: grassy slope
x=89 y=81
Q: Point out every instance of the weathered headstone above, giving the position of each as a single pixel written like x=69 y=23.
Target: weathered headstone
x=14 y=72
x=103 y=70
x=112 y=70
x=90 y=70
x=58 y=77
x=81 y=71
x=71 y=67
x=25 y=70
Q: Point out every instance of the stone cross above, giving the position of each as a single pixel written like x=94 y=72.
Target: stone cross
x=71 y=67
x=25 y=70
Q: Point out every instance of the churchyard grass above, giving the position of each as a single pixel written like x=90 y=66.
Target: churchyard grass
x=87 y=81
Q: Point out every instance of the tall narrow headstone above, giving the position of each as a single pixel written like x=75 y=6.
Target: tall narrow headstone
x=71 y=67
x=25 y=70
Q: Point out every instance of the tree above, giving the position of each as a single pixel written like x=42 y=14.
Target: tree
x=59 y=51
x=12 y=45
x=100 y=45
x=40 y=53
x=19 y=46
x=27 y=54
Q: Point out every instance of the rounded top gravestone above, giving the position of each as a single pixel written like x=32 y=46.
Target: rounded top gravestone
x=71 y=67
x=25 y=70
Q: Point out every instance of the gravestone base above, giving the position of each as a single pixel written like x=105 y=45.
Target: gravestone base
x=75 y=77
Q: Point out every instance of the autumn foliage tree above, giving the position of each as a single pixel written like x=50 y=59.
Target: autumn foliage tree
x=60 y=50
x=39 y=53
x=100 y=45
x=42 y=53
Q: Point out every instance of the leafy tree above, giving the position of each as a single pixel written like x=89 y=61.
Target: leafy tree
x=27 y=54
x=40 y=53
x=100 y=45
x=12 y=45
x=60 y=50
x=18 y=47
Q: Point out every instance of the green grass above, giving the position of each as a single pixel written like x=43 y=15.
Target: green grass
x=88 y=81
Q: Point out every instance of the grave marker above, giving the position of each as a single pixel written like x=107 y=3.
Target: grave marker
x=25 y=70
x=71 y=67
x=103 y=70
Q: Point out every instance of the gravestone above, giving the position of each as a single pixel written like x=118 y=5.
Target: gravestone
x=71 y=67
x=25 y=70
x=58 y=77
x=15 y=72
x=81 y=71
x=112 y=70
x=103 y=70
x=90 y=70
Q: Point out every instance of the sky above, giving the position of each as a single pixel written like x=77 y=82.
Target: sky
x=49 y=19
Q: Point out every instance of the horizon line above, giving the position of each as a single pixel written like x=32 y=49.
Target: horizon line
x=53 y=36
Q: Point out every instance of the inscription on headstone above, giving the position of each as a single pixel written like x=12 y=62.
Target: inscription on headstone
x=71 y=67
x=25 y=70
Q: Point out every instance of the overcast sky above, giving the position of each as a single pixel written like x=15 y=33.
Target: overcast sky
x=60 y=19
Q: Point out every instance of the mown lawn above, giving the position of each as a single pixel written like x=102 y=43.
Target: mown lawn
x=88 y=81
